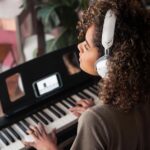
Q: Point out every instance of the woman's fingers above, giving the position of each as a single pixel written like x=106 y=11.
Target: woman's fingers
x=82 y=105
x=53 y=136
x=42 y=129
x=32 y=133
x=77 y=114
x=29 y=144
x=41 y=140
x=77 y=109
x=89 y=102
x=36 y=132
x=85 y=103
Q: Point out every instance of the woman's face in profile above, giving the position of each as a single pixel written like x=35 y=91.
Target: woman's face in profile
x=88 y=52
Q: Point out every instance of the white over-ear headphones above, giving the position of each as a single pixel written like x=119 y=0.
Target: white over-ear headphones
x=107 y=42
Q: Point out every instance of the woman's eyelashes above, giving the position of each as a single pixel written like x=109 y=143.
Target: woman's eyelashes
x=86 y=47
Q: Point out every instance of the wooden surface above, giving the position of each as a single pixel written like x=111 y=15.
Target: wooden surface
x=4 y=50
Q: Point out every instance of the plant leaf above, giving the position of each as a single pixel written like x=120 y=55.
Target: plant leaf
x=66 y=38
x=45 y=12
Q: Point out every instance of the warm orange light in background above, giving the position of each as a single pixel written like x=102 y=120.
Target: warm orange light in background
x=8 y=24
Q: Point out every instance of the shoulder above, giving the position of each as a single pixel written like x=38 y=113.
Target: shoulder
x=94 y=123
x=101 y=116
x=97 y=115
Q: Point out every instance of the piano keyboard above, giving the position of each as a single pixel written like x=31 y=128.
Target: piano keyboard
x=54 y=116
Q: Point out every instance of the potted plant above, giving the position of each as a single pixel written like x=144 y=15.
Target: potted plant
x=61 y=16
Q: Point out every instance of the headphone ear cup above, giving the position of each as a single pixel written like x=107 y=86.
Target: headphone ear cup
x=101 y=66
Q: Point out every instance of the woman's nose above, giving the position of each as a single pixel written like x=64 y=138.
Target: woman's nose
x=80 y=47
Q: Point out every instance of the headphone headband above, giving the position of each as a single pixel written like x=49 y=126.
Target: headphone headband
x=108 y=29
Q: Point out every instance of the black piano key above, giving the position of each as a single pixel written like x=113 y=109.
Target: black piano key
x=73 y=100
x=4 y=139
x=93 y=91
x=60 y=110
x=54 y=112
x=64 y=104
x=8 y=135
x=70 y=99
x=81 y=96
x=47 y=116
x=26 y=123
x=14 y=133
x=95 y=87
x=35 y=119
x=21 y=126
x=85 y=95
x=88 y=96
x=70 y=102
x=42 y=119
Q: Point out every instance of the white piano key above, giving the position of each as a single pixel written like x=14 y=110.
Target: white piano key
x=63 y=107
x=56 y=110
x=71 y=101
x=89 y=92
x=82 y=95
x=44 y=117
x=67 y=103
x=47 y=116
x=10 y=143
x=6 y=137
x=75 y=97
x=30 y=121
x=2 y=144
x=50 y=114
x=22 y=126
x=14 y=133
x=95 y=97
x=15 y=145
x=40 y=121
x=18 y=145
x=24 y=136
x=87 y=95
x=62 y=123
x=11 y=134
x=25 y=125
x=19 y=131
x=93 y=90
x=96 y=86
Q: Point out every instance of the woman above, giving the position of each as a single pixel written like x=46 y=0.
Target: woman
x=122 y=122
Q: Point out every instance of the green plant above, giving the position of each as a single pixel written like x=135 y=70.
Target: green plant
x=62 y=14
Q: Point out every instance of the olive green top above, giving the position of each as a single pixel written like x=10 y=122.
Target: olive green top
x=106 y=128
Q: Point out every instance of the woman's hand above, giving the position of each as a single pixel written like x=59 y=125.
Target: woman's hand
x=42 y=141
x=81 y=106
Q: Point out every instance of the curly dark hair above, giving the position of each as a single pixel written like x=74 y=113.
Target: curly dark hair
x=128 y=82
